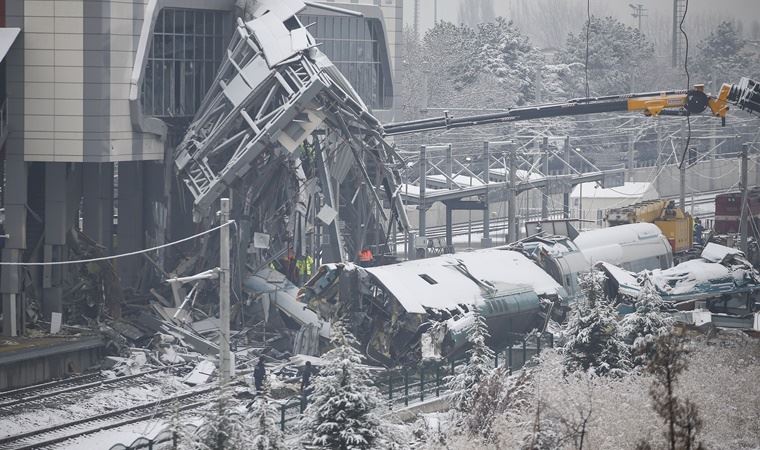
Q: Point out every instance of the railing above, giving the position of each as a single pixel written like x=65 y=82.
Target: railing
x=405 y=386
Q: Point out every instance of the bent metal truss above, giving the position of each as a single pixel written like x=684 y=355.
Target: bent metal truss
x=276 y=96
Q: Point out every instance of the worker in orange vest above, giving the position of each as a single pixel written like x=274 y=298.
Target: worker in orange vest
x=366 y=258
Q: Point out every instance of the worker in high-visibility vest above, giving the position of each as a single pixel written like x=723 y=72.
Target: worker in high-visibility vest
x=305 y=266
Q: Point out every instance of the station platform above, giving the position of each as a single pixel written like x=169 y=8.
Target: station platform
x=31 y=360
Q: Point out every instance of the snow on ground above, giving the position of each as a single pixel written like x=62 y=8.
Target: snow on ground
x=79 y=405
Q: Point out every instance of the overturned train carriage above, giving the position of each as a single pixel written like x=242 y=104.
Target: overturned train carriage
x=420 y=308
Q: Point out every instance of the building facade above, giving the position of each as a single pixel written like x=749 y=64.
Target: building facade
x=98 y=93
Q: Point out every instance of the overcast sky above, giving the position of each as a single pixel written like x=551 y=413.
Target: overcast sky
x=449 y=9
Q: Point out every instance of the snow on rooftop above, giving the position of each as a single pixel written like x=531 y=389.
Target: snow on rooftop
x=631 y=189
x=437 y=283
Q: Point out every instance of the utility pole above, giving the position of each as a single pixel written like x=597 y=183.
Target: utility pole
x=682 y=189
x=486 y=240
x=566 y=194
x=545 y=190
x=631 y=155
x=224 y=292
x=638 y=12
x=422 y=207
x=435 y=12
x=743 y=223
x=512 y=197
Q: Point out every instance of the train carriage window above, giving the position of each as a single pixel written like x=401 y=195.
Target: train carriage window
x=428 y=278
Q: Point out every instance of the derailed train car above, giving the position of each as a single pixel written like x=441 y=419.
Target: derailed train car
x=405 y=311
x=721 y=282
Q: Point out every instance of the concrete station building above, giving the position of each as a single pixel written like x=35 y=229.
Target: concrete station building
x=96 y=93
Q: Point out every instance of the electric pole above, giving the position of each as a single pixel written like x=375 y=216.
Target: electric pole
x=512 y=197
x=682 y=189
x=224 y=292
x=743 y=225
x=638 y=12
x=545 y=190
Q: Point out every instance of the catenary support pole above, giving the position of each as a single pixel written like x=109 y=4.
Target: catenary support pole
x=422 y=207
x=682 y=189
x=545 y=154
x=743 y=223
x=486 y=241
x=224 y=293
x=512 y=197
x=566 y=193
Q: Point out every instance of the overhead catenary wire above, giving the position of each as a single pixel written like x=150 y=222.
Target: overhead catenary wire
x=122 y=255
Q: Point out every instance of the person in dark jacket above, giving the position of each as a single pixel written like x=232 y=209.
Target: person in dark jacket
x=308 y=371
x=259 y=374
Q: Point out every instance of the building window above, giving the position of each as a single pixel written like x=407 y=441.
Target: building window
x=185 y=53
x=357 y=48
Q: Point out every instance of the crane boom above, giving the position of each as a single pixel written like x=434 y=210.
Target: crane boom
x=746 y=95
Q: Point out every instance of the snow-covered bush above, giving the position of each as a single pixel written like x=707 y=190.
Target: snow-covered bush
x=681 y=416
x=225 y=425
x=464 y=383
x=344 y=410
x=592 y=341
x=264 y=423
x=640 y=328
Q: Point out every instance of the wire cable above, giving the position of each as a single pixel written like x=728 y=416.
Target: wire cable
x=123 y=255
x=688 y=84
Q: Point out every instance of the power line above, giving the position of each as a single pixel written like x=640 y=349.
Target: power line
x=123 y=255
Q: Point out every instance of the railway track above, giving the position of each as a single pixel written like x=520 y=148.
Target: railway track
x=56 y=434
x=11 y=401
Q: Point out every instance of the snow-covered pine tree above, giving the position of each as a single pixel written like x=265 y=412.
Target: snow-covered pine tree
x=182 y=439
x=464 y=383
x=640 y=328
x=593 y=342
x=224 y=426
x=264 y=427
x=344 y=409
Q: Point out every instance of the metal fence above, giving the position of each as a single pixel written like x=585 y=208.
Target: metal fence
x=408 y=385
x=400 y=387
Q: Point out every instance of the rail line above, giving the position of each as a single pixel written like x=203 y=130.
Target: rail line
x=49 y=436
x=11 y=400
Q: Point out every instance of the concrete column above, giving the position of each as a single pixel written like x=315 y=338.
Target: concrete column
x=131 y=226
x=97 y=208
x=14 y=200
x=54 y=248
